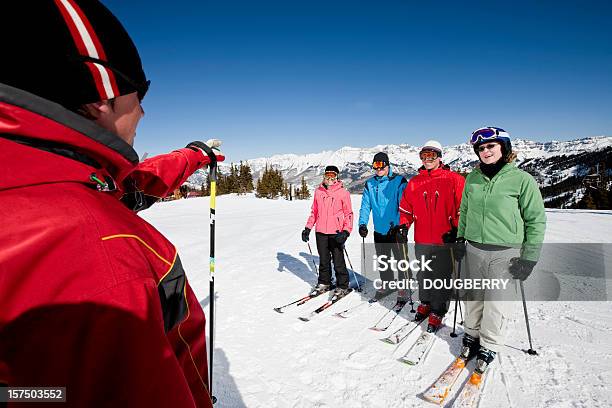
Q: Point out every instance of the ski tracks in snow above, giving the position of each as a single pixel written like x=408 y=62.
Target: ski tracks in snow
x=274 y=360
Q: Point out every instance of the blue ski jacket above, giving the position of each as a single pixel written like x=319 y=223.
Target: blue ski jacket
x=381 y=196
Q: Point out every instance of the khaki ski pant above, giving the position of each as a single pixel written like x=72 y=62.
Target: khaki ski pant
x=487 y=311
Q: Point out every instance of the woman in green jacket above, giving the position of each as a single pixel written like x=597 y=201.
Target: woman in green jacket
x=502 y=223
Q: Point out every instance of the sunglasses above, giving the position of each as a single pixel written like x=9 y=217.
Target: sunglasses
x=379 y=165
x=486 y=133
x=141 y=87
x=331 y=175
x=488 y=146
x=428 y=155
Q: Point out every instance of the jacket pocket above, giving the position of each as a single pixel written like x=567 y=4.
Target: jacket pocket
x=516 y=225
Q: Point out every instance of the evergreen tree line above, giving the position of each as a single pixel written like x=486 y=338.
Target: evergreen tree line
x=239 y=180
x=272 y=185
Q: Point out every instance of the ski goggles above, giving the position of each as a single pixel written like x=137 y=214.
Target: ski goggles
x=488 y=146
x=379 y=165
x=428 y=155
x=331 y=175
x=487 y=133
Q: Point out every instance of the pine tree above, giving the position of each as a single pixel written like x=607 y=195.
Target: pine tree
x=285 y=191
x=233 y=183
x=223 y=183
x=245 y=179
x=305 y=194
x=270 y=184
x=261 y=189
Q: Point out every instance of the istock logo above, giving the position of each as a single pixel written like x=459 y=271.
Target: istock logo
x=383 y=263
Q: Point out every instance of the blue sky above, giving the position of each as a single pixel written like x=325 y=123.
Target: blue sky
x=272 y=77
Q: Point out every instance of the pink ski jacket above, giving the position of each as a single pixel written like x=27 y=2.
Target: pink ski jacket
x=331 y=210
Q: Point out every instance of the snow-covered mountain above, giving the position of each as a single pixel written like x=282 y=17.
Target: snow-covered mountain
x=551 y=162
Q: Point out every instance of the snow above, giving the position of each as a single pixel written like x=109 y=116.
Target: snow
x=266 y=359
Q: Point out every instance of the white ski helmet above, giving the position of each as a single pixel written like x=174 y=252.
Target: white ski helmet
x=433 y=145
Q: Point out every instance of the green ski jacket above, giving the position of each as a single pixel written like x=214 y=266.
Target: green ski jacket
x=505 y=210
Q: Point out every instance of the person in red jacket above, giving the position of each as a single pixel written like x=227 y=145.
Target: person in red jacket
x=431 y=202
x=93 y=298
x=332 y=213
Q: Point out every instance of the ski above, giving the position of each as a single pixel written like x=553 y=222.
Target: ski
x=403 y=332
x=298 y=302
x=351 y=311
x=355 y=309
x=324 y=306
x=419 y=349
x=473 y=389
x=393 y=312
x=441 y=388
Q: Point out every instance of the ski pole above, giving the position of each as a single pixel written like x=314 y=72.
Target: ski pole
x=461 y=313
x=212 y=169
x=458 y=270
x=312 y=257
x=403 y=248
x=352 y=270
x=364 y=259
x=531 y=351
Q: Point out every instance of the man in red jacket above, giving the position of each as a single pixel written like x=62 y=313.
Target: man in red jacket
x=92 y=297
x=431 y=202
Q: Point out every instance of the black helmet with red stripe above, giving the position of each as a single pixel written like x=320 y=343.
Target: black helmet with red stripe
x=72 y=52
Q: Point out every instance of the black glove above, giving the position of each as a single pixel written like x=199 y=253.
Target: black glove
x=363 y=230
x=450 y=236
x=341 y=237
x=459 y=249
x=521 y=268
x=305 y=234
x=402 y=231
x=212 y=144
x=399 y=233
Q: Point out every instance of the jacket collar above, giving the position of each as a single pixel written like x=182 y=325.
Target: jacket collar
x=508 y=167
x=40 y=121
x=387 y=177
x=331 y=189
x=43 y=142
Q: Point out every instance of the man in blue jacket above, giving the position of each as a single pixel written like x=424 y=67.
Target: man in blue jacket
x=381 y=196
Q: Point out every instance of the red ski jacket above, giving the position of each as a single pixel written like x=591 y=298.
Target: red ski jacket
x=431 y=201
x=92 y=297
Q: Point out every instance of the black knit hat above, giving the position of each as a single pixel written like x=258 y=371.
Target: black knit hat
x=381 y=157
x=332 y=168
x=71 y=52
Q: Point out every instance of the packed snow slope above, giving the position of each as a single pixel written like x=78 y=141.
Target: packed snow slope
x=266 y=359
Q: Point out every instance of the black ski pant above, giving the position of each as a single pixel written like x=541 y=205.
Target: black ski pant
x=329 y=250
x=389 y=245
x=441 y=268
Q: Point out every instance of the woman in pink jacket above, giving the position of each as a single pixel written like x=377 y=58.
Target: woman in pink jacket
x=332 y=213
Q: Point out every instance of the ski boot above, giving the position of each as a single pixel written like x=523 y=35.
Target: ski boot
x=484 y=359
x=319 y=289
x=381 y=293
x=471 y=345
x=340 y=292
x=434 y=323
x=422 y=311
